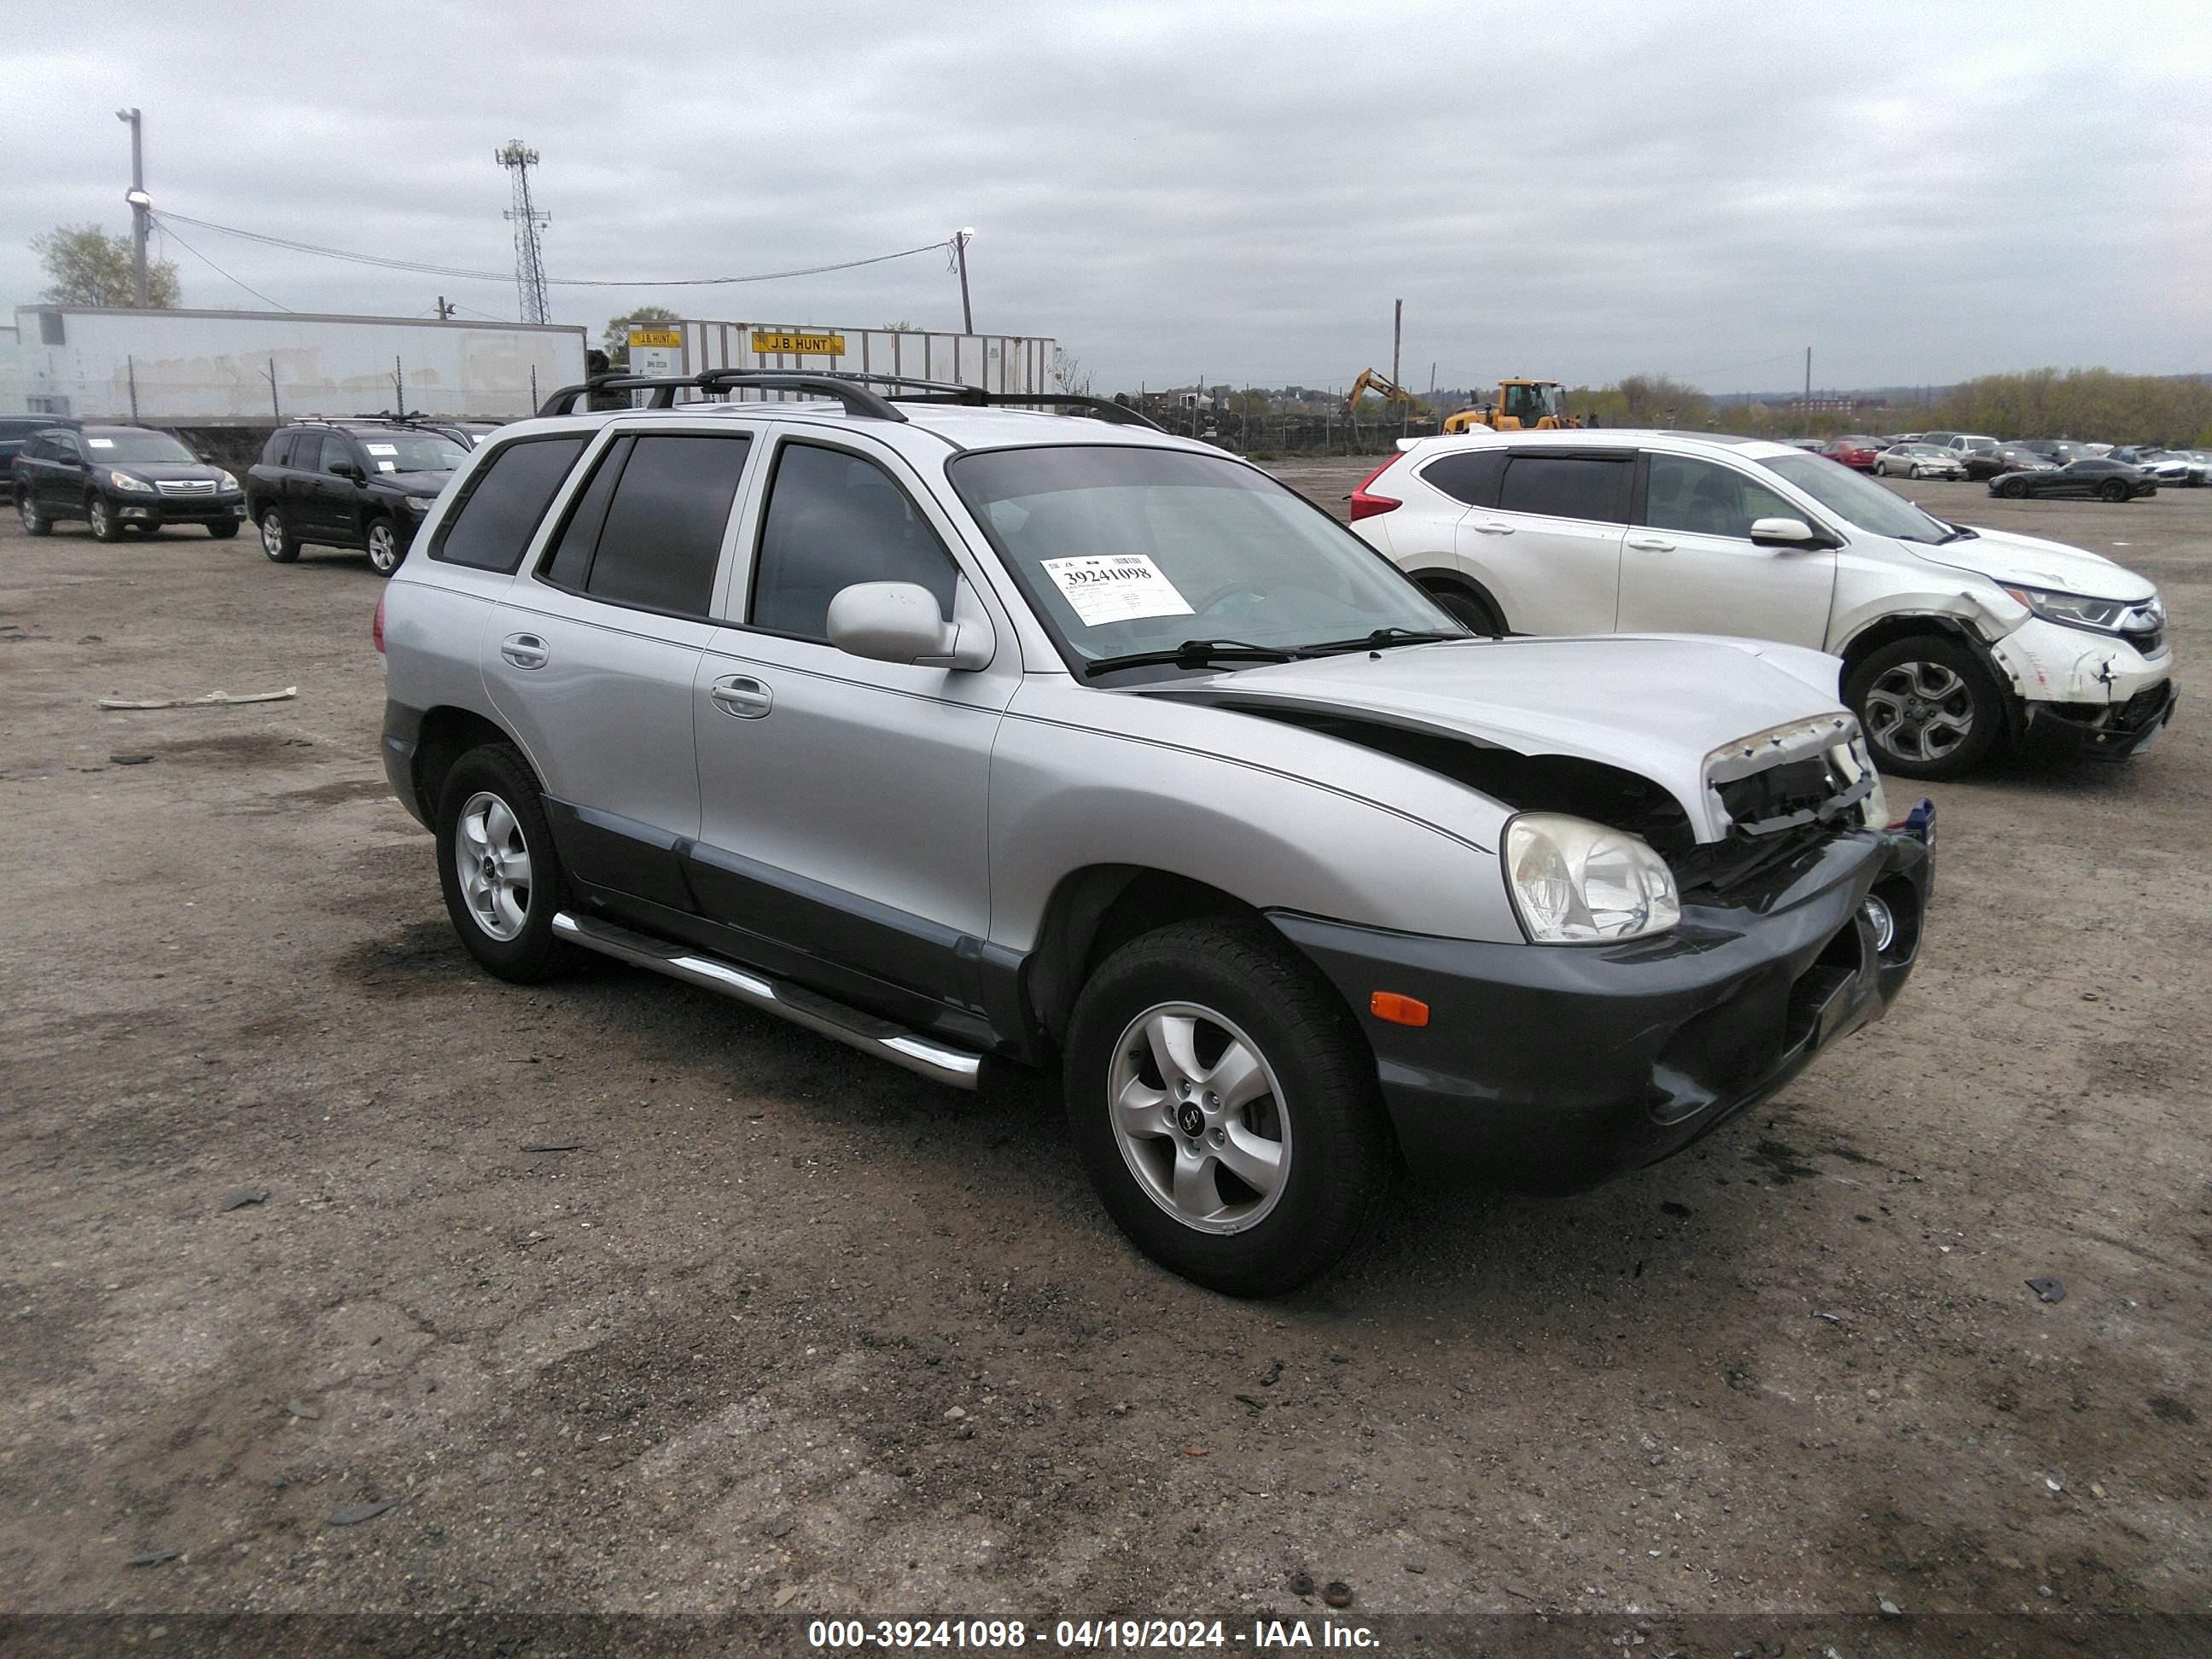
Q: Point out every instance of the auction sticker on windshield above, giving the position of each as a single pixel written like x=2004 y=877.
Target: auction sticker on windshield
x=1116 y=587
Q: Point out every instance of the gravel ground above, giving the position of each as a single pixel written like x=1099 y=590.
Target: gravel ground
x=623 y=1298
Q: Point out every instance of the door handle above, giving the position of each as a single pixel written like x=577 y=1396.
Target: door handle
x=1494 y=528
x=1651 y=545
x=524 y=650
x=747 y=699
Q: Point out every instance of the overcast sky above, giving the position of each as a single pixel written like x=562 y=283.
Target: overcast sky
x=1918 y=192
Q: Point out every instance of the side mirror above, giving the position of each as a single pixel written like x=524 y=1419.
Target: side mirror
x=1786 y=533
x=899 y=622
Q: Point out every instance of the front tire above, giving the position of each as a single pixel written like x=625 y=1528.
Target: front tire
x=35 y=523
x=106 y=526
x=224 y=532
x=496 y=864
x=278 y=543
x=2013 y=489
x=1928 y=706
x=383 y=549
x=1224 y=1103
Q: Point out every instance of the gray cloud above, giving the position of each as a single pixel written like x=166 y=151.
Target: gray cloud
x=1582 y=190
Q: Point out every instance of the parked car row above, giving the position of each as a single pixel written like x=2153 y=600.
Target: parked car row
x=118 y=479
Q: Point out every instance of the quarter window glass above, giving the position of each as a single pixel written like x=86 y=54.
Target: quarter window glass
x=1566 y=487
x=1472 y=478
x=491 y=524
x=662 y=535
x=1701 y=499
x=835 y=519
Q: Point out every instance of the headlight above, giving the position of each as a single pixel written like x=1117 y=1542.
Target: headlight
x=2098 y=616
x=1574 y=881
x=416 y=504
x=224 y=481
x=124 y=481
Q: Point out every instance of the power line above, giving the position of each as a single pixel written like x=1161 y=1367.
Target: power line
x=170 y=232
x=461 y=273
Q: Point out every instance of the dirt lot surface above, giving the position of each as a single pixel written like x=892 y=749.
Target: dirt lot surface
x=623 y=1297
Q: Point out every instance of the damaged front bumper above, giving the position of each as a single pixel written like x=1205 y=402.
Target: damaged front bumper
x=1553 y=1068
x=2089 y=694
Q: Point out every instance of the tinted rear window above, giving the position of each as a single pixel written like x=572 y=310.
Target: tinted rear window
x=490 y=526
x=1472 y=477
x=1567 y=487
x=662 y=535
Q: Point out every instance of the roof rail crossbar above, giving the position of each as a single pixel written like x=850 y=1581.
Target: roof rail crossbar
x=856 y=399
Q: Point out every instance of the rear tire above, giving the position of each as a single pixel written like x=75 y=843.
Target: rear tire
x=502 y=879
x=278 y=543
x=224 y=532
x=1297 y=1109
x=1928 y=706
x=1467 y=609
x=106 y=526
x=2114 y=490
x=35 y=523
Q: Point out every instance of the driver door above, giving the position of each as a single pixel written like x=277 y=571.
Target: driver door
x=845 y=801
x=1689 y=566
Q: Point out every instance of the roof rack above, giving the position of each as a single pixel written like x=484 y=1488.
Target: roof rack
x=856 y=398
x=851 y=390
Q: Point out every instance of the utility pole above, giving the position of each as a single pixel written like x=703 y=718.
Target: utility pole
x=518 y=158
x=445 y=310
x=142 y=205
x=961 y=237
x=1809 y=392
x=1397 y=335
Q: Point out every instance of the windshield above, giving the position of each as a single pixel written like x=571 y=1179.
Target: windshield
x=1856 y=499
x=1124 y=550
x=138 y=446
x=412 y=452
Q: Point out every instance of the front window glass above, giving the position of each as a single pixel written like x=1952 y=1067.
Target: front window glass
x=1856 y=499
x=1133 y=550
x=412 y=452
x=835 y=520
x=1701 y=499
x=141 y=446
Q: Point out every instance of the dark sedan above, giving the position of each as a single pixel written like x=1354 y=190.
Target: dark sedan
x=2108 y=481
x=1985 y=464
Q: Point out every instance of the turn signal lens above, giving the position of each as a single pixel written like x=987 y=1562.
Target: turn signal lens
x=1397 y=1009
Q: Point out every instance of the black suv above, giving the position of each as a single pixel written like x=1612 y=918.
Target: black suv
x=362 y=484
x=17 y=430
x=120 y=478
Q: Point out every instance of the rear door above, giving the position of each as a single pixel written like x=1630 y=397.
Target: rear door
x=1690 y=566
x=592 y=656
x=1549 y=551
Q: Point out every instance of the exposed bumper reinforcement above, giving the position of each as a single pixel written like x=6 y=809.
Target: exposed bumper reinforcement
x=885 y=1041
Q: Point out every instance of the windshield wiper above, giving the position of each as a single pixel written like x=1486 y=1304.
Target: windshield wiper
x=1954 y=532
x=1194 y=653
x=1383 y=636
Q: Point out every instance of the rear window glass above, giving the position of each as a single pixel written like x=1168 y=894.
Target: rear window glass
x=1566 y=487
x=490 y=526
x=1472 y=478
x=662 y=537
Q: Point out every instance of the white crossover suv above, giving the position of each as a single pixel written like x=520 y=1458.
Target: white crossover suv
x=1954 y=641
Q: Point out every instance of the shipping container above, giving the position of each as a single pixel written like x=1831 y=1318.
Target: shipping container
x=219 y=368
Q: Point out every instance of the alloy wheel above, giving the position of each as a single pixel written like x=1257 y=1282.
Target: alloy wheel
x=383 y=549
x=102 y=527
x=1920 y=711
x=1197 y=1113
x=492 y=859
x=27 y=514
x=272 y=535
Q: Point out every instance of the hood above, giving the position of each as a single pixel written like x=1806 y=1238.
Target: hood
x=412 y=484
x=2033 y=563
x=1655 y=705
x=155 y=471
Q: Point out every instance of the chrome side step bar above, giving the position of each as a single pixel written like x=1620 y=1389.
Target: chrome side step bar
x=871 y=1035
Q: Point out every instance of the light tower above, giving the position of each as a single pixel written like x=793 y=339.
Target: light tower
x=517 y=158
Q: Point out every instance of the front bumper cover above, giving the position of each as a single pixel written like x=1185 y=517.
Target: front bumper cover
x=1553 y=1068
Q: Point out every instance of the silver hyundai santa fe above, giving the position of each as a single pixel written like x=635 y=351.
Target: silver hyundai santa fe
x=959 y=731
